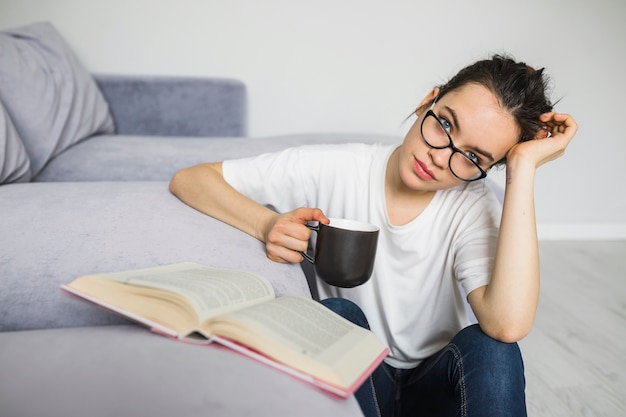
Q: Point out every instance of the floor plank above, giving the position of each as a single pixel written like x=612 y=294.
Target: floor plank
x=575 y=356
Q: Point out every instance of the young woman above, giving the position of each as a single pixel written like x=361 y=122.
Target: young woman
x=441 y=229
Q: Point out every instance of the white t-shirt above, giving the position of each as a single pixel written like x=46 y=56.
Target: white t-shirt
x=412 y=301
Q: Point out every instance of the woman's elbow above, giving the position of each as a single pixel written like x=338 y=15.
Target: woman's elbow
x=177 y=180
x=192 y=177
x=507 y=332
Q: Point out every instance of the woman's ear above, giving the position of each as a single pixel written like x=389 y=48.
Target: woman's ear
x=429 y=99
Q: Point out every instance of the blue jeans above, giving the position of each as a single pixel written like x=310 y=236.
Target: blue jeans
x=474 y=375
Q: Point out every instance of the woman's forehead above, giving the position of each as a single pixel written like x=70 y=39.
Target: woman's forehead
x=474 y=95
x=480 y=119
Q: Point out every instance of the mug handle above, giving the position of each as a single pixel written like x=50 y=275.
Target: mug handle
x=305 y=255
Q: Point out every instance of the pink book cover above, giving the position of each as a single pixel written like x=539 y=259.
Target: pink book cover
x=325 y=386
x=233 y=346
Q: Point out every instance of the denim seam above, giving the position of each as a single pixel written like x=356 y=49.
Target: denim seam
x=371 y=381
x=459 y=364
x=456 y=352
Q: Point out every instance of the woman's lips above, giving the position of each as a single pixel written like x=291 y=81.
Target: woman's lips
x=422 y=170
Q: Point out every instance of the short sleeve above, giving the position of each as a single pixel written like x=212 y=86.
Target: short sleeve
x=476 y=241
x=272 y=179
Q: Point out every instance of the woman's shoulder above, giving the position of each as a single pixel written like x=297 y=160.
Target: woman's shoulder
x=345 y=152
x=350 y=147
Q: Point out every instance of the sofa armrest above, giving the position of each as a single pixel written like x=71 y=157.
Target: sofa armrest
x=175 y=106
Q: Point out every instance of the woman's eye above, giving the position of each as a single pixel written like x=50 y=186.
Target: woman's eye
x=446 y=125
x=472 y=157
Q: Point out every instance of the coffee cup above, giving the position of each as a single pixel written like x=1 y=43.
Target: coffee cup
x=344 y=252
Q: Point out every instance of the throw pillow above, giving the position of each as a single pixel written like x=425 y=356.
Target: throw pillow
x=14 y=163
x=51 y=98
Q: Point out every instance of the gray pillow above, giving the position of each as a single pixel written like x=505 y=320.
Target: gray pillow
x=51 y=99
x=14 y=163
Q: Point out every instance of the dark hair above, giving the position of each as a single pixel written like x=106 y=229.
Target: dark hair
x=520 y=89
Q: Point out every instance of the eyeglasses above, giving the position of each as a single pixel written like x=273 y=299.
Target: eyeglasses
x=464 y=165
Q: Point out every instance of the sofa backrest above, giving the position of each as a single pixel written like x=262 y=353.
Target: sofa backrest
x=175 y=106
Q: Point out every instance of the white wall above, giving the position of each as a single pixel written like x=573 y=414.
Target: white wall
x=362 y=66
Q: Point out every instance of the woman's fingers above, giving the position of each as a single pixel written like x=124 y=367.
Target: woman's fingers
x=559 y=123
x=550 y=142
x=289 y=234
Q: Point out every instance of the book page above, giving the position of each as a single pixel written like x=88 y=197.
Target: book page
x=210 y=290
x=304 y=334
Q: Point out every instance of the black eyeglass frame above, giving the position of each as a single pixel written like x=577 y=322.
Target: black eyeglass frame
x=431 y=113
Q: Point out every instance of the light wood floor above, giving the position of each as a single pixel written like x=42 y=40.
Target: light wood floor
x=575 y=356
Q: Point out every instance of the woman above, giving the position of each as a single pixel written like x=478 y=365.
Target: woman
x=439 y=230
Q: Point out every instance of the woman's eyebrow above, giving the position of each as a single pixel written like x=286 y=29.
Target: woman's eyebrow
x=455 y=119
x=476 y=149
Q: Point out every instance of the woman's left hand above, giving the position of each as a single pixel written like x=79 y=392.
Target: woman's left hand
x=549 y=143
x=506 y=307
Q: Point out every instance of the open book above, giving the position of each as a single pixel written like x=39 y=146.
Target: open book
x=238 y=309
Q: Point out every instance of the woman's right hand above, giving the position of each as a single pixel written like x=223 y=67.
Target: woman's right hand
x=286 y=235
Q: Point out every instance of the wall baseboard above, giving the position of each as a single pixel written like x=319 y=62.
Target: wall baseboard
x=581 y=231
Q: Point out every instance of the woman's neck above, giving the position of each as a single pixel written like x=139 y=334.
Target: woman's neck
x=403 y=203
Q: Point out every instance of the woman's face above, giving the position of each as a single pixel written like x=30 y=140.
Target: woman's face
x=476 y=124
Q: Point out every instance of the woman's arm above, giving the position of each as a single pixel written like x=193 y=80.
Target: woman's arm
x=203 y=187
x=506 y=308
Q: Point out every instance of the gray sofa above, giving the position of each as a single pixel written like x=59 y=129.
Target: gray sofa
x=90 y=193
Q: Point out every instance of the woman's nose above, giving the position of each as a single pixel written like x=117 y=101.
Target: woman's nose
x=440 y=157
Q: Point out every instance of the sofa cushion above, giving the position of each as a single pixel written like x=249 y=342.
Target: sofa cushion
x=127 y=371
x=52 y=100
x=14 y=162
x=157 y=158
x=51 y=233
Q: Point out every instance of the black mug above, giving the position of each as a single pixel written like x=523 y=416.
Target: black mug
x=345 y=251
